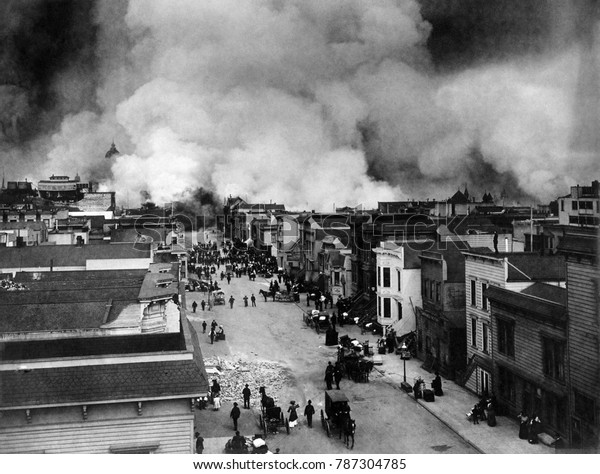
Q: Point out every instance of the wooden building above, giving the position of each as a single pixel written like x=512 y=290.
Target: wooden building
x=513 y=271
x=529 y=347
x=441 y=340
x=583 y=333
x=98 y=362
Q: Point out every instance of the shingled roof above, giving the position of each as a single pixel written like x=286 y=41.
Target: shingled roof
x=101 y=383
x=73 y=383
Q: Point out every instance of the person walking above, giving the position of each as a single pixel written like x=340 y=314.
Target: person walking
x=199 y=443
x=211 y=334
x=337 y=375
x=204 y=327
x=231 y=300
x=246 y=395
x=309 y=411
x=253 y=300
x=235 y=415
x=293 y=418
x=203 y=304
x=245 y=301
x=329 y=376
x=228 y=278
x=194 y=306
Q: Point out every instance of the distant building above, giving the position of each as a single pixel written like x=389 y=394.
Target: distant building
x=581 y=207
x=22 y=234
x=399 y=284
x=63 y=188
x=441 y=340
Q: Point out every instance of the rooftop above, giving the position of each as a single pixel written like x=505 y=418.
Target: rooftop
x=130 y=378
x=68 y=255
x=539 y=307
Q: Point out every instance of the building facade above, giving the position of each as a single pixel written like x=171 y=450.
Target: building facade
x=529 y=348
x=513 y=271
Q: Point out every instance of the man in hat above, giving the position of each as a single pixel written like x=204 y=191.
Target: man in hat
x=246 y=395
x=235 y=414
x=309 y=411
x=199 y=443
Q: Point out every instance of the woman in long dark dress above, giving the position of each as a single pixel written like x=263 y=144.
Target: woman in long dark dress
x=293 y=419
x=437 y=385
x=491 y=414
x=523 y=426
x=534 y=429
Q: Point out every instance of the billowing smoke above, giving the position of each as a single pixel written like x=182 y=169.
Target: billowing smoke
x=310 y=103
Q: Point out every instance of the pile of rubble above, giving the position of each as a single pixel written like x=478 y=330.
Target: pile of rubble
x=234 y=375
x=10 y=285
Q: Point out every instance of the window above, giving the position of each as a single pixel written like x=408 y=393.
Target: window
x=507 y=384
x=574 y=205
x=438 y=288
x=399 y=310
x=387 y=308
x=474 y=332
x=398 y=274
x=386 y=277
x=554 y=358
x=336 y=278
x=424 y=286
x=379 y=306
x=484 y=300
x=431 y=289
x=585 y=408
x=378 y=276
x=562 y=205
x=506 y=337
x=555 y=411
x=473 y=293
x=484 y=333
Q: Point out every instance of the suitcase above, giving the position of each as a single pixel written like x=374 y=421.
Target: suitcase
x=428 y=395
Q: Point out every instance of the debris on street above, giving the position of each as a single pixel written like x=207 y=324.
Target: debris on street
x=234 y=374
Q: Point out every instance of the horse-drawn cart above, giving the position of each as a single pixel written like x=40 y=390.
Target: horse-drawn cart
x=319 y=320
x=337 y=415
x=271 y=417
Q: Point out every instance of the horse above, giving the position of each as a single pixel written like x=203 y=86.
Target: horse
x=266 y=294
x=266 y=402
x=348 y=428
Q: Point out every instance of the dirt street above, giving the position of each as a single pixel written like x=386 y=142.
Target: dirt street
x=387 y=420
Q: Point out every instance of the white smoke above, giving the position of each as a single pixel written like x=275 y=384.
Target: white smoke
x=266 y=100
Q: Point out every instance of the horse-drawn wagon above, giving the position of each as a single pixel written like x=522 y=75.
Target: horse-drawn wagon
x=218 y=297
x=337 y=416
x=319 y=320
x=352 y=361
x=271 y=417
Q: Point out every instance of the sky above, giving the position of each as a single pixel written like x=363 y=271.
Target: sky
x=307 y=103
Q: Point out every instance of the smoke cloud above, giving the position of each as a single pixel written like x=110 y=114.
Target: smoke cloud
x=310 y=103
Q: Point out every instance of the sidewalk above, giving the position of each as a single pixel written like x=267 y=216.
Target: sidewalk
x=451 y=409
